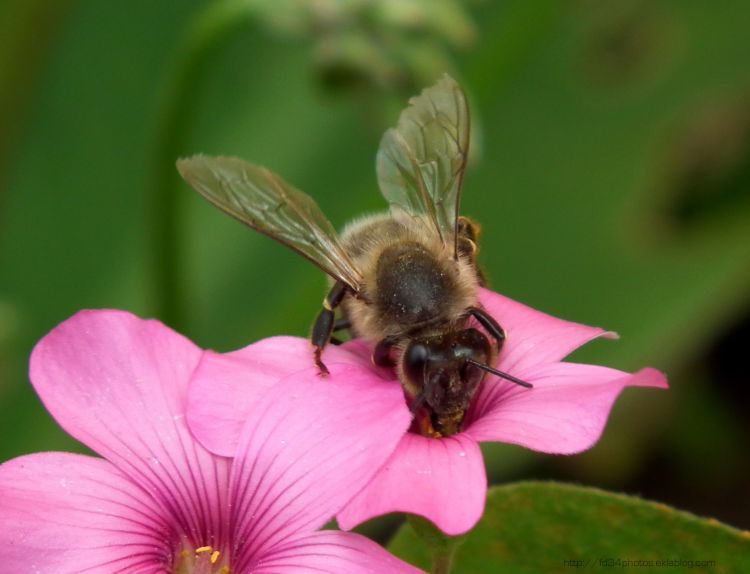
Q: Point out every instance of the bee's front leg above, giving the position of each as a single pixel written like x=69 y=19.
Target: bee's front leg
x=488 y=322
x=324 y=324
x=382 y=355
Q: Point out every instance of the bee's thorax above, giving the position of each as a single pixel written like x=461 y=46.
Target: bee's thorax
x=412 y=280
x=411 y=285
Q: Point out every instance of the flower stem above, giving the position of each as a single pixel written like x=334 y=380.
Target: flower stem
x=441 y=563
x=442 y=547
x=207 y=32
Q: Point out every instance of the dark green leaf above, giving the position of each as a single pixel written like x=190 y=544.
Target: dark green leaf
x=535 y=527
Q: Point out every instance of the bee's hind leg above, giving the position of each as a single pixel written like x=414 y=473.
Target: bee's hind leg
x=325 y=323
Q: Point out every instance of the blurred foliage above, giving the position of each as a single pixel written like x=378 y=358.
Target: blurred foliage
x=26 y=32
x=376 y=44
x=613 y=188
x=533 y=527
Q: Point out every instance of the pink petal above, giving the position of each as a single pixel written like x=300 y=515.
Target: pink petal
x=64 y=513
x=309 y=446
x=331 y=552
x=441 y=479
x=564 y=413
x=118 y=384
x=225 y=388
x=534 y=338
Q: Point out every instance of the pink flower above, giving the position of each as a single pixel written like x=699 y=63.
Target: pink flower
x=158 y=502
x=441 y=479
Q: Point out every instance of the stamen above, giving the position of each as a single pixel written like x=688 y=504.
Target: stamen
x=427 y=428
x=201 y=560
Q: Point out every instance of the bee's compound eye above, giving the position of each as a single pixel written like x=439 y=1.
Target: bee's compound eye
x=472 y=345
x=415 y=358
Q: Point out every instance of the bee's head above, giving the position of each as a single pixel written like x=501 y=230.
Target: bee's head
x=442 y=369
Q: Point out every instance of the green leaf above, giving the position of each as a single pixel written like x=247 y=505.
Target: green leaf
x=547 y=527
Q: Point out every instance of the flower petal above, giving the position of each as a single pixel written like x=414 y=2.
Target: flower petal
x=225 y=387
x=118 y=384
x=441 y=479
x=309 y=446
x=331 y=552
x=65 y=513
x=534 y=338
x=564 y=413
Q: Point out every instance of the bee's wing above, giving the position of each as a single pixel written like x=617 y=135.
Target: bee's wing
x=261 y=199
x=421 y=161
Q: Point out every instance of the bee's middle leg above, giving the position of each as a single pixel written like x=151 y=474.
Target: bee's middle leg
x=342 y=324
x=325 y=323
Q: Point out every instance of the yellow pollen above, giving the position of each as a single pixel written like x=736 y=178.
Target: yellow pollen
x=215 y=556
x=203 y=549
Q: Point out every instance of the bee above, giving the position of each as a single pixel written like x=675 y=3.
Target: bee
x=407 y=280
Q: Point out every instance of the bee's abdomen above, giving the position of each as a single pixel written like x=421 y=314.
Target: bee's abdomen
x=412 y=285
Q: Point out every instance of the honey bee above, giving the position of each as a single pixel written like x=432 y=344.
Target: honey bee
x=406 y=281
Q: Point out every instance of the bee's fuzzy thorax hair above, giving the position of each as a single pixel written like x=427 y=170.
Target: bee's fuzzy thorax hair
x=379 y=243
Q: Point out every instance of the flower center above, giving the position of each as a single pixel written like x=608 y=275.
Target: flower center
x=422 y=425
x=201 y=560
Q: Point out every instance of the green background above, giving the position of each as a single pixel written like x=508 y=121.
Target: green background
x=610 y=172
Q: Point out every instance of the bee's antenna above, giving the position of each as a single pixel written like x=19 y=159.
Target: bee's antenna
x=417 y=404
x=422 y=397
x=506 y=376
